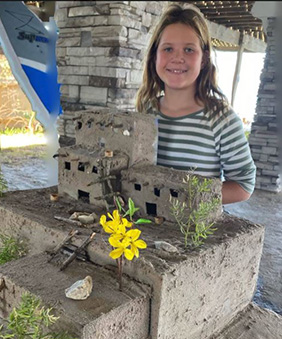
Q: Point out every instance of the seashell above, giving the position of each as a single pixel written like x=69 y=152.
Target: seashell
x=165 y=246
x=80 y=290
x=126 y=133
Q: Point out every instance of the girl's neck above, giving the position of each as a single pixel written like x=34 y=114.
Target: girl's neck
x=177 y=104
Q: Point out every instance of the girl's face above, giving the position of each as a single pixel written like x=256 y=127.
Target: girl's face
x=179 y=57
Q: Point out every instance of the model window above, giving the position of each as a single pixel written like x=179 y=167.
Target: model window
x=81 y=166
x=84 y=196
x=157 y=192
x=173 y=193
x=137 y=187
x=67 y=165
x=151 y=209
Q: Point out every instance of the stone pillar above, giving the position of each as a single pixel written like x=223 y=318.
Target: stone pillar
x=100 y=50
x=264 y=132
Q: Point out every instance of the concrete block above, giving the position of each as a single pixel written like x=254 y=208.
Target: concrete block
x=151 y=188
x=107 y=313
x=80 y=170
x=120 y=131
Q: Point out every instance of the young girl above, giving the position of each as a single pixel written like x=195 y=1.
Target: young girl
x=197 y=128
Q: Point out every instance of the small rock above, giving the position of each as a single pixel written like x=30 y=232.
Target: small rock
x=165 y=246
x=80 y=290
x=86 y=219
x=54 y=197
x=159 y=220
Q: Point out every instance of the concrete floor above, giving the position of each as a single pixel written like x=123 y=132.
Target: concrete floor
x=265 y=208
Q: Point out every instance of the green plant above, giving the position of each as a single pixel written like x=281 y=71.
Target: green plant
x=30 y=320
x=3 y=184
x=196 y=227
x=10 y=249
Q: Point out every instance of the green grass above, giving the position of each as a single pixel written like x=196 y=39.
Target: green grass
x=12 y=131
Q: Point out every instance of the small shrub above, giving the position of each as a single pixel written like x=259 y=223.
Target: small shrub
x=10 y=249
x=30 y=320
x=196 y=227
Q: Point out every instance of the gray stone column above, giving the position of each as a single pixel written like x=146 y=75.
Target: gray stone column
x=100 y=50
x=264 y=132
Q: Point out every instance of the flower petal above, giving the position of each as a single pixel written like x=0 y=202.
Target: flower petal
x=128 y=254
x=110 y=216
x=135 y=250
x=108 y=228
x=115 y=242
x=116 y=216
x=116 y=253
x=121 y=229
x=126 y=223
x=103 y=220
x=134 y=234
x=140 y=243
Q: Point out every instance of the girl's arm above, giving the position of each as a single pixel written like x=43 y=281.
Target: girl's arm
x=233 y=192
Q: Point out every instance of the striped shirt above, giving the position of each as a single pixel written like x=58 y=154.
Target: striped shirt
x=212 y=145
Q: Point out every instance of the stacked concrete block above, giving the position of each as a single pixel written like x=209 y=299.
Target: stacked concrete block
x=115 y=154
x=100 y=50
x=182 y=294
x=264 y=137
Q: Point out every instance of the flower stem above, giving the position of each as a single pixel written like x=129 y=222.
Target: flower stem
x=120 y=273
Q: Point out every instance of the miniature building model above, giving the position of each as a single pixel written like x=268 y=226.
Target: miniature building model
x=115 y=154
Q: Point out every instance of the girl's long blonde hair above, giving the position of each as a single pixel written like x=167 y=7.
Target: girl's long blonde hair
x=207 y=90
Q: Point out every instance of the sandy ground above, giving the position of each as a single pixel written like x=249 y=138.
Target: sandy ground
x=25 y=168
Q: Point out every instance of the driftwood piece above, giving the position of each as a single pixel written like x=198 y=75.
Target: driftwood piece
x=77 y=251
x=56 y=250
x=70 y=221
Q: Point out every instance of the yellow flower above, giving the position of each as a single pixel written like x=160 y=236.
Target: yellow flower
x=116 y=224
x=132 y=236
x=129 y=239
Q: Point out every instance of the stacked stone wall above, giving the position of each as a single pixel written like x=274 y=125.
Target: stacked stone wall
x=264 y=132
x=100 y=50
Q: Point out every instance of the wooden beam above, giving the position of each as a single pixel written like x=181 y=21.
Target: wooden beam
x=236 y=76
x=223 y=33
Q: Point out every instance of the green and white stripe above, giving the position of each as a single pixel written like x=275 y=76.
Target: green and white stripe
x=211 y=145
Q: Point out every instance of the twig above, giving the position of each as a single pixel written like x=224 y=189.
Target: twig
x=71 y=234
x=2 y=284
x=101 y=180
x=77 y=251
x=73 y=222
